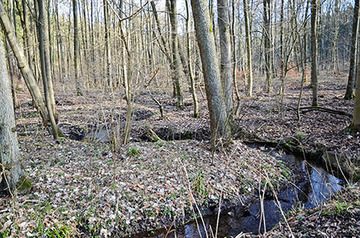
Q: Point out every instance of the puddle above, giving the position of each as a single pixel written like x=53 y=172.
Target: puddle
x=317 y=187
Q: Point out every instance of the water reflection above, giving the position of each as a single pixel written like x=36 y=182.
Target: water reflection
x=320 y=184
x=317 y=186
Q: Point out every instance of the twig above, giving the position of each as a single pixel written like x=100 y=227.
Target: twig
x=197 y=208
x=172 y=223
x=4 y=172
x=132 y=15
x=279 y=205
x=218 y=216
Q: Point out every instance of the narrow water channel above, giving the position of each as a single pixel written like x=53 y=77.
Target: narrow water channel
x=317 y=186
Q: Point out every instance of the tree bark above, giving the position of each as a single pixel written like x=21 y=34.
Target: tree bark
x=25 y=26
x=356 y=114
x=267 y=43
x=24 y=66
x=45 y=68
x=190 y=70
x=47 y=53
x=219 y=125
x=314 y=73
x=335 y=50
x=76 y=49
x=12 y=76
x=11 y=172
x=248 y=50
x=225 y=54
x=108 y=68
x=60 y=47
x=353 y=50
x=175 y=55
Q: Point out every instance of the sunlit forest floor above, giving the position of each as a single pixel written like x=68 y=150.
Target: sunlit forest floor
x=82 y=187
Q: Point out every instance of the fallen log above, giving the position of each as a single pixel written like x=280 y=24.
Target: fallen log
x=322 y=109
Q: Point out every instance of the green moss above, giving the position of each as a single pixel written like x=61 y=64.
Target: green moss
x=24 y=185
x=300 y=136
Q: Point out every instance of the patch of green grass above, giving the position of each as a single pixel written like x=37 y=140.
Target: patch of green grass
x=160 y=143
x=133 y=151
x=341 y=206
x=300 y=136
x=199 y=184
x=184 y=156
x=23 y=133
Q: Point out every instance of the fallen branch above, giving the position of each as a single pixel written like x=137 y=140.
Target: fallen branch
x=322 y=109
x=150 y=134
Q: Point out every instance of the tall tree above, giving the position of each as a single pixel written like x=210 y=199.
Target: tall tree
x=25 y=26
x=45 y=67
x=108 y=68
x=314 y=73
x=59 y=43
x=356 y=114
x=23 y=65
x=225 y=53
x=335 y=49
x=189 y=64
x=76 y=49
x=248 y=50
x=219 y=125
x=354 y=35
x=267 y=43
x=10 y=166
x=175 y=55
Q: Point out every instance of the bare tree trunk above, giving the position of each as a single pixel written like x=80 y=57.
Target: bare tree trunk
x=314 y=74
x=25 y=26
x=12 y=77
x=24 y=66
x=85 y=41
x=92 y=38
x=46 y=41
x=76 y=49
x=335 y=50
x=267 y=43
x=162 y=45
x=236 y=111
x=60 y=48
x=219 y=125
x=43 y=40
x=190 y=70
x=108 y=68
x=281 y=58
x=175 y=56
x=355 y=124
x=11 y=172
x=355 y=30
x=248 y=50
x=302 y=60
x=225 y=54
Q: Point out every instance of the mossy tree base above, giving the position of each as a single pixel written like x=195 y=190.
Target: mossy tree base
x=354 y=128
x=23 y=186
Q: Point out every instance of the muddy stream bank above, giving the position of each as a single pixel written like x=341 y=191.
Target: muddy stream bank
x=316 y=186
x=313 y=185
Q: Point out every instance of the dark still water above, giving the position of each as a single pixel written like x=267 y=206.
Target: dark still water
x=317 y=186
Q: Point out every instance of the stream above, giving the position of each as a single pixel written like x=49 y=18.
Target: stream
x=308 y=194
x=316 y=186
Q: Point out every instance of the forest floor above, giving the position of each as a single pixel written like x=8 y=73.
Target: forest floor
x=82 y=187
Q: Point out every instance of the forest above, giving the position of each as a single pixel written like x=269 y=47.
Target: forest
x=179 y=118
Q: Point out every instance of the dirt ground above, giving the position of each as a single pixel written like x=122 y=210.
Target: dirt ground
x=82 y=187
